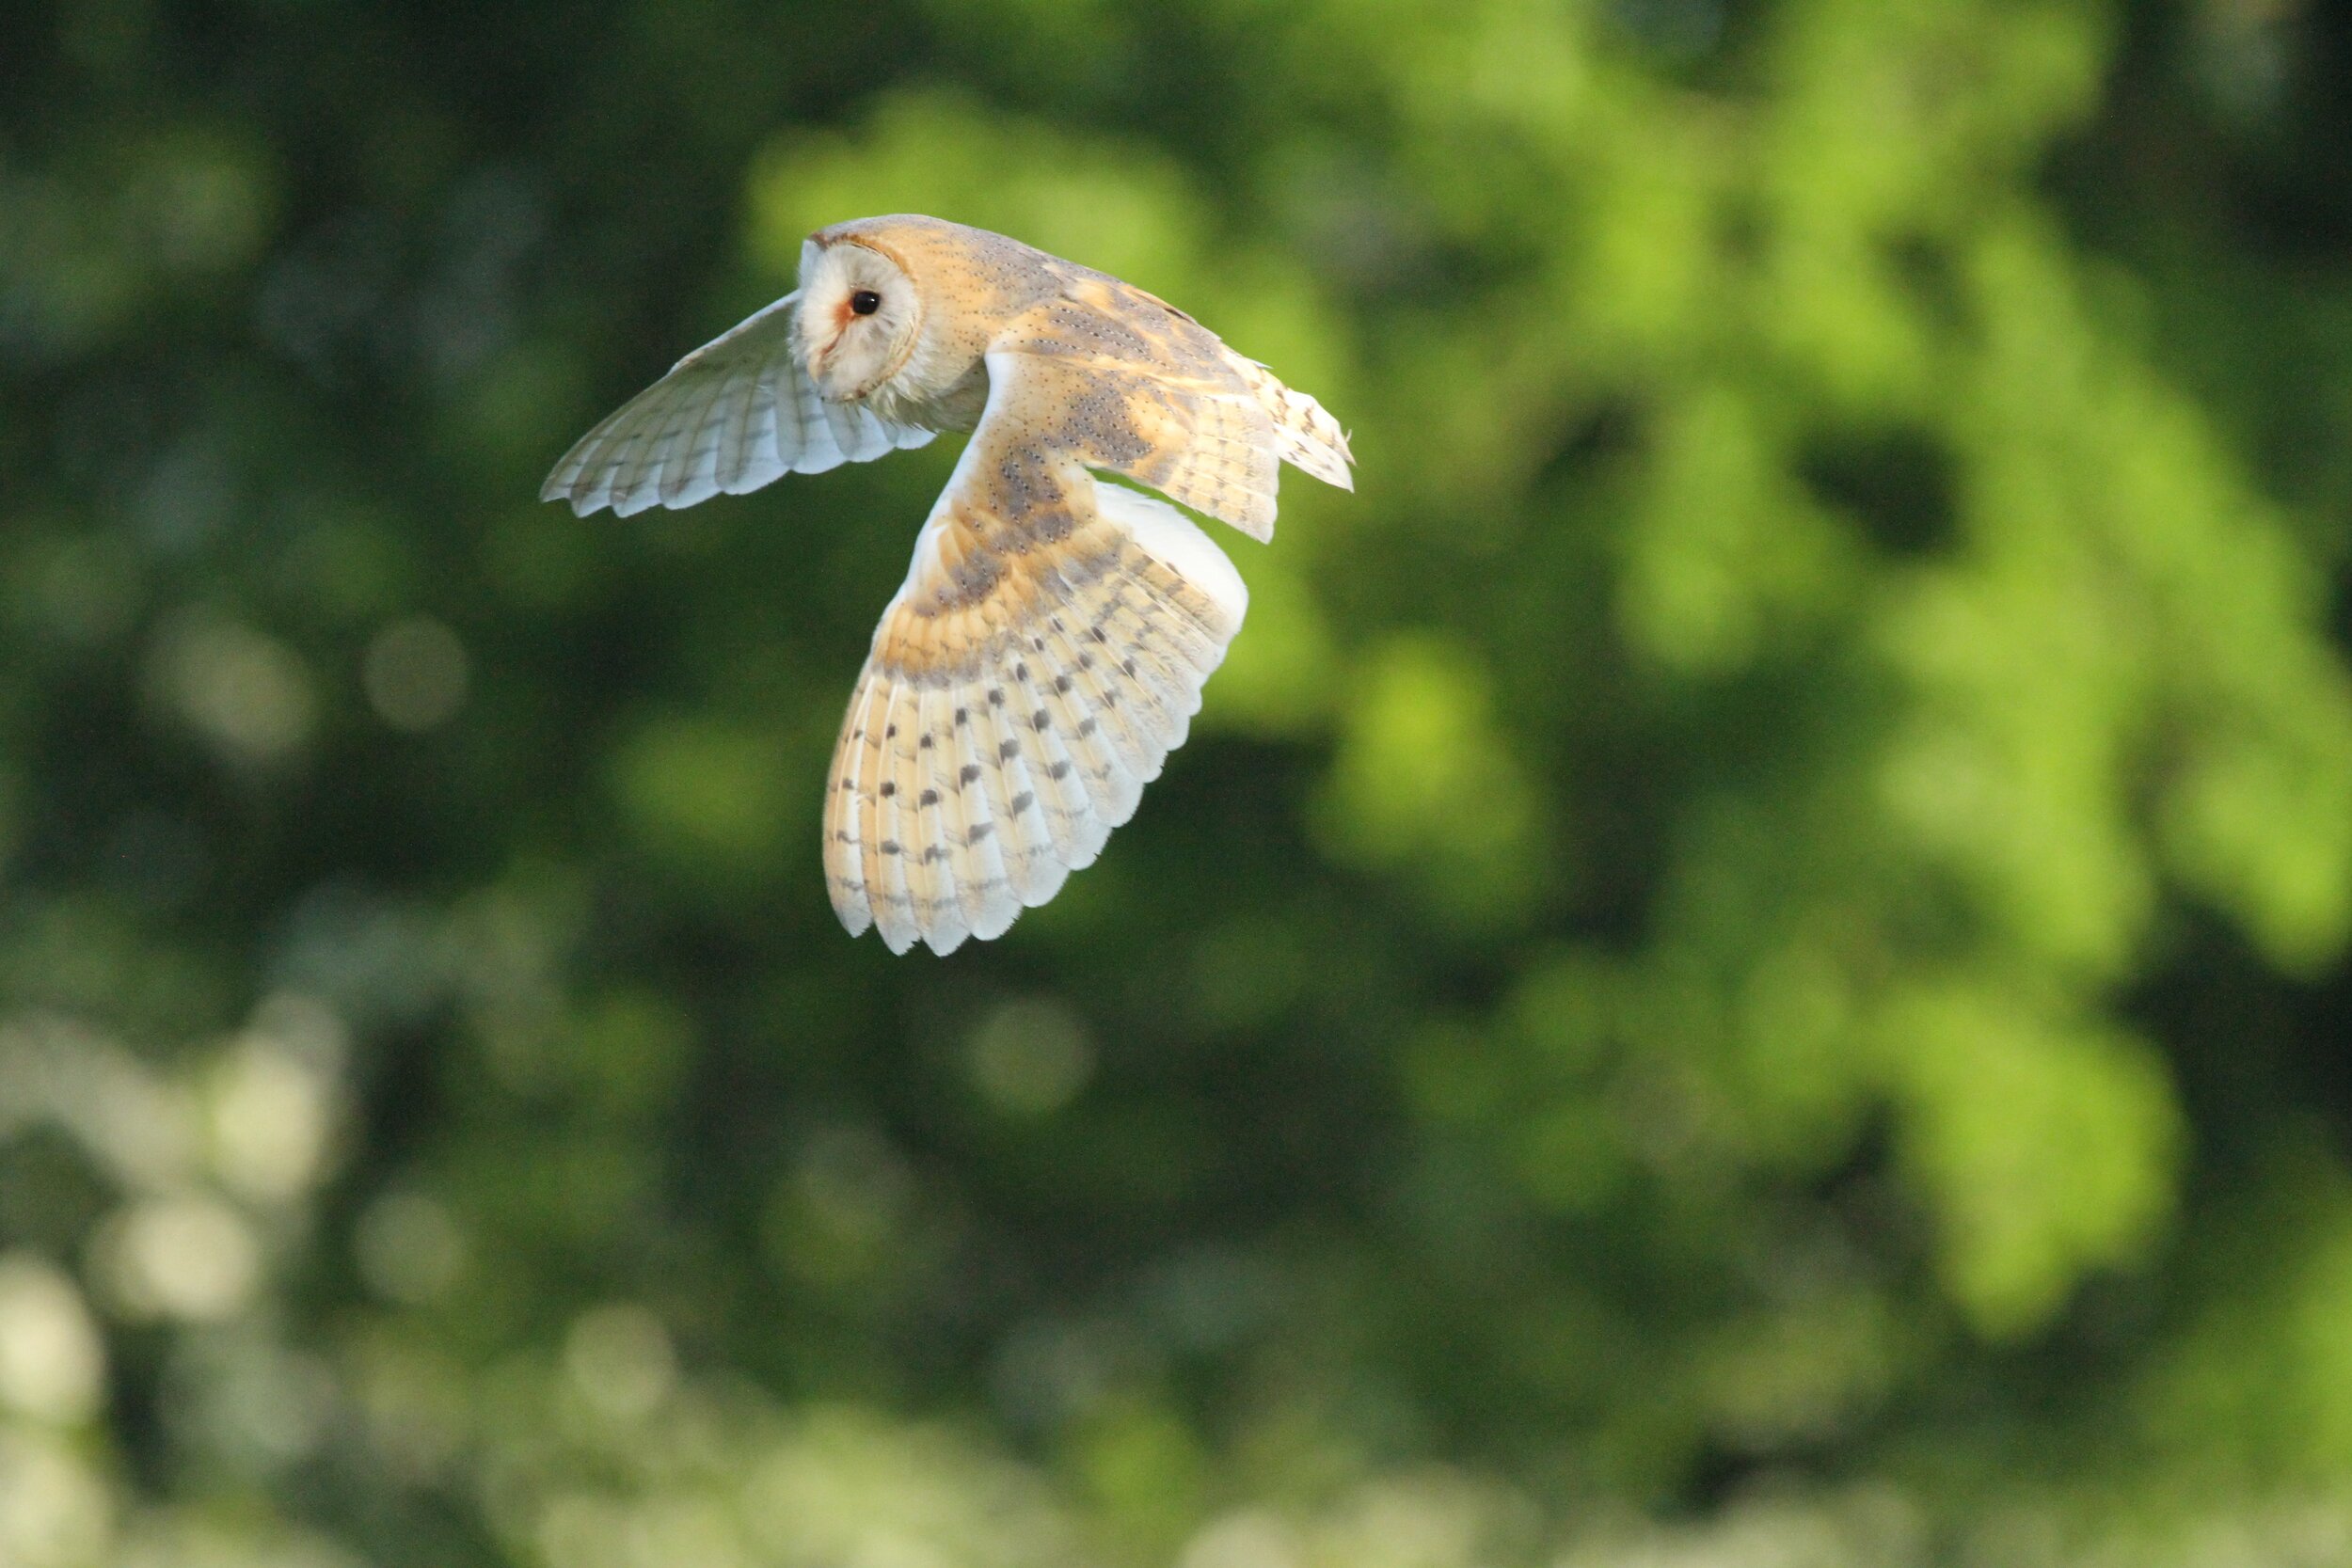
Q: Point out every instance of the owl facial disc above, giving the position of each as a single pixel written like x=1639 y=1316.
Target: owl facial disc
x=859 y=318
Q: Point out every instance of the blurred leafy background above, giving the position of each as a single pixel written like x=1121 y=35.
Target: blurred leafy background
x=1747 y=966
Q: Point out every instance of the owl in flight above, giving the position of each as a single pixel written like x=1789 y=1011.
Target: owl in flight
x=1047 y=648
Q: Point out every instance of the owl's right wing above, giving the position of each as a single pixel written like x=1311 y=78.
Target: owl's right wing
x=734 y=415
x=1044 y=656
x=1186 y=414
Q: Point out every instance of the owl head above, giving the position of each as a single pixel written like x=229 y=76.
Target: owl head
x=861 y=313
x=895 y=312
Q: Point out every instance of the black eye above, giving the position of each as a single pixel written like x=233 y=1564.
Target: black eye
x=865 y=302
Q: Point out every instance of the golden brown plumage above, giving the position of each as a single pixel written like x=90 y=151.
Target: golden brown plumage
x=1047 y=648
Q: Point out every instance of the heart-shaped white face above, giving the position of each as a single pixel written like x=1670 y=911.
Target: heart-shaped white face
x=858 y=318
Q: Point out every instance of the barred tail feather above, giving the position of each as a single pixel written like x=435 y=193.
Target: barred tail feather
x=1305 y=435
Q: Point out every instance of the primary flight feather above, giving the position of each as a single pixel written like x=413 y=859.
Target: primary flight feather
x=1047 y=649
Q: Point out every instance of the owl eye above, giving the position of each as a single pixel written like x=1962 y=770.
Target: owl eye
x=865 y=302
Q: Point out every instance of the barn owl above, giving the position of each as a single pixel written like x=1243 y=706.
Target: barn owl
x=1047 y=649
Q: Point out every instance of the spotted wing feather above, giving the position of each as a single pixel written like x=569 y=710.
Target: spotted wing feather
x=1044 y=656
x=1190 y=417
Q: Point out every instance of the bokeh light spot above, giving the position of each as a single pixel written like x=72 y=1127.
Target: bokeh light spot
x=1031 y=1057
x=416 y=675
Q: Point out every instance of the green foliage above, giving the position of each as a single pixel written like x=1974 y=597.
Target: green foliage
x=1746 y=964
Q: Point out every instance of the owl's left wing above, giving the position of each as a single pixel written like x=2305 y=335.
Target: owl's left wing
x=1044 y=656
x=734 y=415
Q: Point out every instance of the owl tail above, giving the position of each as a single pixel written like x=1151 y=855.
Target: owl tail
x=961 y=795
x=1305 y=436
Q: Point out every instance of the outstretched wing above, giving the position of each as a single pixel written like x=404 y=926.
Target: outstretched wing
x=1044 y=656
x=1193 y=419
x=734 y=415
